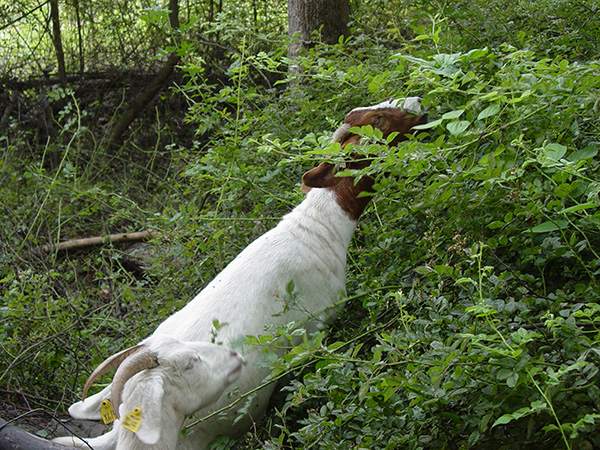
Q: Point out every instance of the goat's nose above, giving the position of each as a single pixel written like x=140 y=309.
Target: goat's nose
x=413 y=105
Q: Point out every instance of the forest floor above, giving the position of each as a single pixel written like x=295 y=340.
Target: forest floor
x=44 y=424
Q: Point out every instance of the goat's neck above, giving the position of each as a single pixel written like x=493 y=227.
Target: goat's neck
x=349 y=194
x=320 y=214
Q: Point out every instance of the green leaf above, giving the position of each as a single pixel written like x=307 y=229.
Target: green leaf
x=521 y=412
x=563 y=190
x=495 y=224
x=362 y=392
x=391 y=137
x=458 y=127
x=555 y=151
x=523 y=96
x=538 y=405
x=458 y=371
x=465 y=280
x=579 y=207
x=491 y=110
x=424 y=270
x=548 y=226
x=511 y=381
x=428 y=125
x=506 y=418
x=453 y=114
x=588 y=152
x=366 y=130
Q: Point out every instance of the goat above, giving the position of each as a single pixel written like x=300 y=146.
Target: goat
x=307 y=248
x=168 y=380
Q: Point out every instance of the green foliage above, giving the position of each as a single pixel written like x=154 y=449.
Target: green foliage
x=552 y=28
x=123 y=36
x=472 y=317
x=476 y=265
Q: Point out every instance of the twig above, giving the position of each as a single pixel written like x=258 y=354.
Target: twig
x=99 y=240
x=24 y=15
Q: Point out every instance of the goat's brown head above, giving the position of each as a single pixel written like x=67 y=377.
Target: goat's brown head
x=399 y=116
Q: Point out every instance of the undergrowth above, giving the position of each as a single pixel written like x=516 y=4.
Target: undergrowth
x=472 y=317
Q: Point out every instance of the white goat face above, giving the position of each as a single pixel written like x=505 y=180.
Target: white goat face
x=189 y=376
x=198 y=373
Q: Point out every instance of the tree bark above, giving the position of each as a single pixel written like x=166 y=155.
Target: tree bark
x=79 y=39
x=5 y=99
x=330 y=17
x=57 y=41
x=13 y=438
x=143 y=99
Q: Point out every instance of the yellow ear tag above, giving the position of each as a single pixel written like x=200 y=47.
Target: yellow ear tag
x=132 y=420
x=106 y=412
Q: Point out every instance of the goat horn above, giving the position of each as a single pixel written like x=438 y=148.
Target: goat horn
x=108 y=364
x=141 y=359
x=340 y=134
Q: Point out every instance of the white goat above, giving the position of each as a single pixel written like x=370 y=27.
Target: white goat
x=168 y=380
x=308 y=247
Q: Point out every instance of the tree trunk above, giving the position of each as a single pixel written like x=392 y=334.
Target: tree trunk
x=57 y=41
x=144 y=98
x=330 y=17
x=6 y=99
x=13 y=438
x=79 y=39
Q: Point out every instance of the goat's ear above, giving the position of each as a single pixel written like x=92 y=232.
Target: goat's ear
x=321 y=176
x=148 y=396
x=90 y=408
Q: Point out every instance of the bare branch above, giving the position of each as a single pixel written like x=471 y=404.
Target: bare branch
x=100 y=240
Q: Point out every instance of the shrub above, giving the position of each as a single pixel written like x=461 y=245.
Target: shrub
x=472 y=310
x=473 y=283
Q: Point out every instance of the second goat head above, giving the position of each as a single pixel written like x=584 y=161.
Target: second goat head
x=166 y=380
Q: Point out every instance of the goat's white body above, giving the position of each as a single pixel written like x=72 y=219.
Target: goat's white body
x=308 y=247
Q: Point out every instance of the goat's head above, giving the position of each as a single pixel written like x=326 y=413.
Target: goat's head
x=165 y=375
x=399 y=116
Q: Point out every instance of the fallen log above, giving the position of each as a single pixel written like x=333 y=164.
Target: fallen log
x=13 y=438
x=100 y=240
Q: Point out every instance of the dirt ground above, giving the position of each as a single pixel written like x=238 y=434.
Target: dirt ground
x=47 y=425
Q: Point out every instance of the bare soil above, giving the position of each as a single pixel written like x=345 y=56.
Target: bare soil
x=47 y=425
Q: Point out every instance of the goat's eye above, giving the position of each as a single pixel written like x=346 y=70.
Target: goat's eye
x=377 y=121
x=192 y=363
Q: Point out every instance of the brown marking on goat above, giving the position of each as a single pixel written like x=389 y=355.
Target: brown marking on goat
x=388 y=120
x=348 y=189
